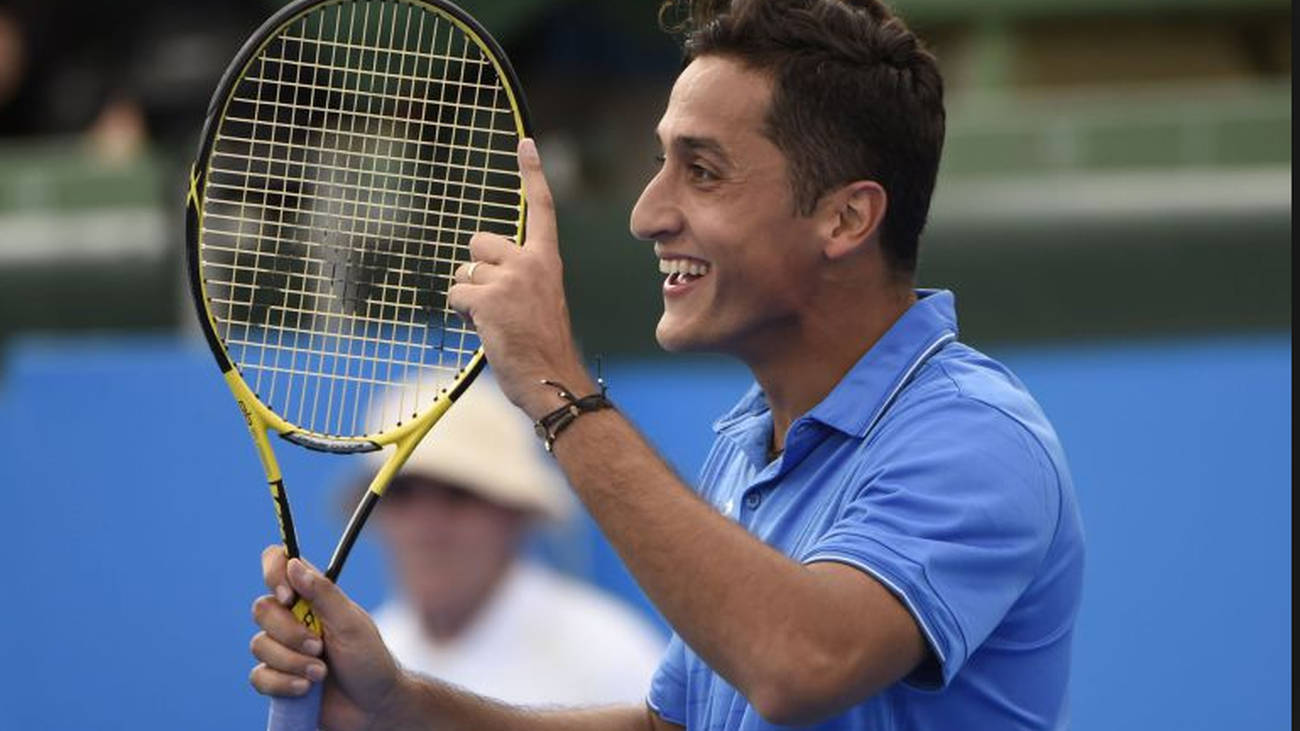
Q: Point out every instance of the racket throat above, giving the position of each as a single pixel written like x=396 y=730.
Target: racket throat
x=288 y=534
x=350 y=535
x=328 y=444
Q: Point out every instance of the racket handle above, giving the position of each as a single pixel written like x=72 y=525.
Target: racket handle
x=301 y=713
x=296 y=714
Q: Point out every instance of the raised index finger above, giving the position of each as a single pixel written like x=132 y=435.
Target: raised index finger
x=539 y=232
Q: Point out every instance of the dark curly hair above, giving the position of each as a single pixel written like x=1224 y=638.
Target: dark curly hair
x=856 y=96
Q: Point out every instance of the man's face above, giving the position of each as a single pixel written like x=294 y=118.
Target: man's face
x=740 y=260
x=448 y=546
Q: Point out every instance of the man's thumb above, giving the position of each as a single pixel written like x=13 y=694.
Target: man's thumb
x=326 y=600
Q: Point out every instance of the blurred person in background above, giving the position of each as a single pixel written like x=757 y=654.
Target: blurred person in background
x=469 y=608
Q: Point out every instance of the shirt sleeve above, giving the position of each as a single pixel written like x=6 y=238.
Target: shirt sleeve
x=668 y=686
x=955 y=520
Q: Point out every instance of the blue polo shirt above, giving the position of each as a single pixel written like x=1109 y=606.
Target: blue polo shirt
x=930 y=468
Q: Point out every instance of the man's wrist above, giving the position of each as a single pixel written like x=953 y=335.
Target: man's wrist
x=406 y=706
x=543 y=398
x=549 y=426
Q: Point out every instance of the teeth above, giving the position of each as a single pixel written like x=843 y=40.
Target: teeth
x=683 y=266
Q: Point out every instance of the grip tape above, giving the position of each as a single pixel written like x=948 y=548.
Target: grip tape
x=296 y=714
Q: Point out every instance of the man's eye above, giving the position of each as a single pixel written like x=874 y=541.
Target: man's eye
x=701 y=174
x=661 y=159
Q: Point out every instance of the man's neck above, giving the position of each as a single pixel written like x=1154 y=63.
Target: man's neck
x=800 y=371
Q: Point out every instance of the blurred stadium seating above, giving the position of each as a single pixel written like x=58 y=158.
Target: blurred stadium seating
x=1145 y=147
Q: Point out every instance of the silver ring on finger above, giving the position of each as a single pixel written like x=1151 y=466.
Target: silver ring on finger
x=469 y=273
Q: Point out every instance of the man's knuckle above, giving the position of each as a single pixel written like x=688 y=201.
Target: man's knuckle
x=481 y=242
x=342 y=635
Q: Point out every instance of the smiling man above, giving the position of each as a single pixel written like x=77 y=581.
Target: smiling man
x=884 y=535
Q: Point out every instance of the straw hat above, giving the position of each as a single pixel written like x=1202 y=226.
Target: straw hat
x=485 y=445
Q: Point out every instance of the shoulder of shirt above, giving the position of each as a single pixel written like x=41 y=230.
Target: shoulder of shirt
x=961 y=382
x=966 y=394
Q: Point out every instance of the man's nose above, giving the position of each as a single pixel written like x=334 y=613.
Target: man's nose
x=655 y=216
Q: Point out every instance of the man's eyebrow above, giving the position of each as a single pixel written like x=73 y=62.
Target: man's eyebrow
x=701 y=144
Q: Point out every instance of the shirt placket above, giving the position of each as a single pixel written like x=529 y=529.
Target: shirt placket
x=803 y=437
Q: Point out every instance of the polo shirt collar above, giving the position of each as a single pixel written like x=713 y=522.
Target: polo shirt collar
x=860 y=398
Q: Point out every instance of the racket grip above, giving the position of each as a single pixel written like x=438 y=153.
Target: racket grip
x=303 y=712
x=296 y=714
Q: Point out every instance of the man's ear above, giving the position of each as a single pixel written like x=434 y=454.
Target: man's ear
x=851 y=215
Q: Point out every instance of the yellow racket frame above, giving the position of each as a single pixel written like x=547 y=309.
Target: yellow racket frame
x=261 y=419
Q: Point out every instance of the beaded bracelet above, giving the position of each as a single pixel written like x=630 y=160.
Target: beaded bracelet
x=549 y=426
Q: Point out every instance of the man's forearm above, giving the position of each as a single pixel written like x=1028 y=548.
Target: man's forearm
x=421 y=704
x=733 y=599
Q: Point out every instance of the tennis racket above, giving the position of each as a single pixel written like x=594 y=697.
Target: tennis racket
x=350 y=151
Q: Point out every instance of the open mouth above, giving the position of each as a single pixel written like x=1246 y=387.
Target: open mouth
x=682 y=270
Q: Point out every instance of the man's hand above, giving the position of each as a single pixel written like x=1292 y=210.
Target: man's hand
x=362 y=683
x=364 y=689
x=515 y=299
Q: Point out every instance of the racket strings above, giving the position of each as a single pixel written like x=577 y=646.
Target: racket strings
x=364 y=145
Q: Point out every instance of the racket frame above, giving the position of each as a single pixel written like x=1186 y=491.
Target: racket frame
x=260 y=418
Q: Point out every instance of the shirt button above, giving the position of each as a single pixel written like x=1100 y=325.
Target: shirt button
x=753 y=500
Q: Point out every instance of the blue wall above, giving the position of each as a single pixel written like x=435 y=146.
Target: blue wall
x=135 y=514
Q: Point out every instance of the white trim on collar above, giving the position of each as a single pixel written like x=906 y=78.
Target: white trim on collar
x=908 y=375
